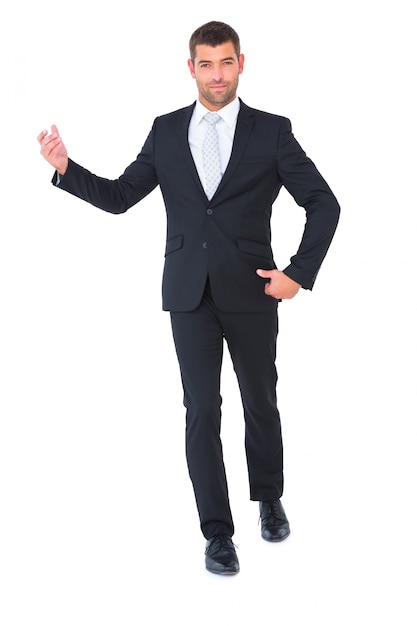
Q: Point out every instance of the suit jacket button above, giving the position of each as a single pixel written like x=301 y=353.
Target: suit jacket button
x=209 y=211
x=205 y=244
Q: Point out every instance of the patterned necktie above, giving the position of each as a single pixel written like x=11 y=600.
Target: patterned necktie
x=211 y=155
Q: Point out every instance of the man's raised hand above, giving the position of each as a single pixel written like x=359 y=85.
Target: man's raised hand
x=53 y=149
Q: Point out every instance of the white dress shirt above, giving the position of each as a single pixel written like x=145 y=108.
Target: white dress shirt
x=225 y=129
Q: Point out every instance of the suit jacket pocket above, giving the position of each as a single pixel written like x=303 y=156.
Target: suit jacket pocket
x=174 y=243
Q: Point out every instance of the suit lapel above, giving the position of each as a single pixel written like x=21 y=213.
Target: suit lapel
x=183 y=124
x=243 y=130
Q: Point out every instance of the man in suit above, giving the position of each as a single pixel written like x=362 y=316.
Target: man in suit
x=220 y=281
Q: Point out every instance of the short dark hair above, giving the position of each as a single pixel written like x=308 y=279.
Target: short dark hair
x=214 y=34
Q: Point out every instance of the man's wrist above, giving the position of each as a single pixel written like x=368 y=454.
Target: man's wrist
x=61 y=171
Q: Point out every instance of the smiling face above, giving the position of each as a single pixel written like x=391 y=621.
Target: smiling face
x=216 y=71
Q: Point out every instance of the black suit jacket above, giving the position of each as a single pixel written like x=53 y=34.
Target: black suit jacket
x=228 y=237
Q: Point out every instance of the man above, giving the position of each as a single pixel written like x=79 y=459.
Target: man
x=219 y=176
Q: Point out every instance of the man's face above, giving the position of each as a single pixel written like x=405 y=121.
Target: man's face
x=216 y=71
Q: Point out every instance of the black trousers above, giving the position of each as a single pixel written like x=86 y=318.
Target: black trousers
x=199 y=337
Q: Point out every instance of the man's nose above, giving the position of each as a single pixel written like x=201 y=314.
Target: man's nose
x=217 y=74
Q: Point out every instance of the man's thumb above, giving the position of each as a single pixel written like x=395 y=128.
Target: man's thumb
x=264 y=273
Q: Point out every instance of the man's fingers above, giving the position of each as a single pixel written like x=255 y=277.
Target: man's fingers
x=44 y=138
x=42 y=135
x=264 y=273
x=49 y=142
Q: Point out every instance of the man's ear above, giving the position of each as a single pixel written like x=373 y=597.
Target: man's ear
x=191 y=67
x=241 y=63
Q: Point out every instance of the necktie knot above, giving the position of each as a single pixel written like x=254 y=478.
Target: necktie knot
x=212 y=117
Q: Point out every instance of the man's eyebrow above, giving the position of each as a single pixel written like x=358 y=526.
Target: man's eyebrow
x=209 y=61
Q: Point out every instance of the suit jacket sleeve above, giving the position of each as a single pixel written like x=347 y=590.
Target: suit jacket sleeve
x=114 y=196
x=303 y=181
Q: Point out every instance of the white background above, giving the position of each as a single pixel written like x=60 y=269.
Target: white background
x=98 y=522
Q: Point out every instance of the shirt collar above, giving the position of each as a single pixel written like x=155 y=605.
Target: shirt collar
x=228 y=113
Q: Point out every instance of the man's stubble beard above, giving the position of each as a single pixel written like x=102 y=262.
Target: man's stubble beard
x=221 y=99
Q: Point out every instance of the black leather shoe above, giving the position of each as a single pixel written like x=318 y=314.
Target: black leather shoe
x=221 y=555
x=274 y=522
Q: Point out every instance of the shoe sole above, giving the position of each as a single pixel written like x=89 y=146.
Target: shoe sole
x=225 y=573
x=276 y=540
